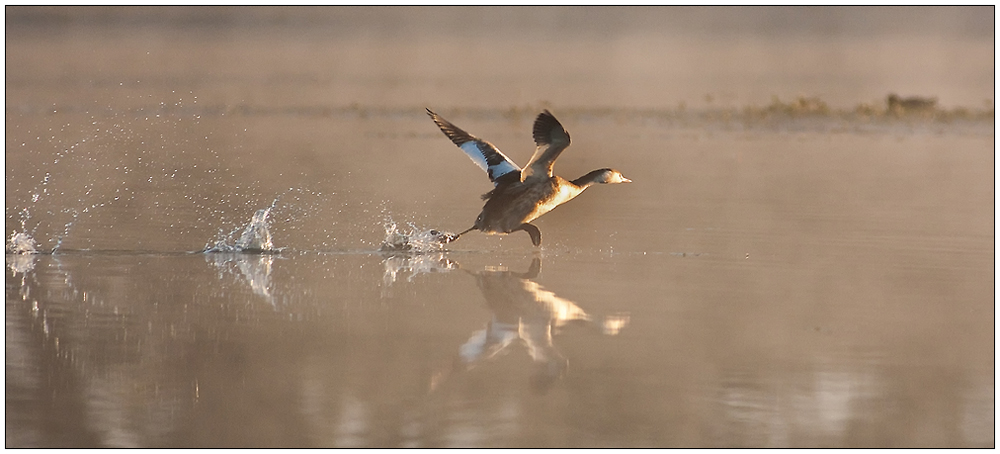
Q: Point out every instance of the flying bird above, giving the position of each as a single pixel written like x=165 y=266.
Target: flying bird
x=521 y=195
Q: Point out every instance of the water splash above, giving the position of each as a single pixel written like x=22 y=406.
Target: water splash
x=21 y=243
x=66 y=228
x=416 y=240
x=256 y=236
x=120 y=165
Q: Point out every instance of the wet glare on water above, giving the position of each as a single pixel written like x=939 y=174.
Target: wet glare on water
x=224 y=228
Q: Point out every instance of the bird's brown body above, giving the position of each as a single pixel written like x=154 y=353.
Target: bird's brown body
x=522 y=195
x=519 y=203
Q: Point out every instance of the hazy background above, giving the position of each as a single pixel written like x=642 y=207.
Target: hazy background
x=637 y=57
x=796 y=263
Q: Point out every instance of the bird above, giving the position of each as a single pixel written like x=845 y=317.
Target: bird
x=521 y=195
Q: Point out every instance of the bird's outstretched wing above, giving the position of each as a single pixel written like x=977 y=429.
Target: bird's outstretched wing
x=550 y=140
x=488 y=157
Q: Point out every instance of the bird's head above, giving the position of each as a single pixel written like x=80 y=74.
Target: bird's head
x=611 y=176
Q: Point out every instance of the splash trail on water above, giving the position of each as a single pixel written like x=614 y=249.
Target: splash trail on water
x=21 y=243
x=256 y=236
x=417 y=240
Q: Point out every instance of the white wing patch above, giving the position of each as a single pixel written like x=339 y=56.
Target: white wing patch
x=489 y=159
x=472 y=149
x=483 y=153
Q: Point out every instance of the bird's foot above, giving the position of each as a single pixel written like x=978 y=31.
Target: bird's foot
x=444 y=237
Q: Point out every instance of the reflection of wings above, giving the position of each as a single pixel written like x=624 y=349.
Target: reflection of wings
x=486 y=343
x=523 y=311
x=560 y=311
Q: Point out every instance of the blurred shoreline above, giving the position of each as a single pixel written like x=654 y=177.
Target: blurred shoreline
x=789 y=21
x=742 y=61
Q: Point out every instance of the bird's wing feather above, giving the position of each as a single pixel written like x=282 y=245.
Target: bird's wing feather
x=488 y=157
x=550 y=140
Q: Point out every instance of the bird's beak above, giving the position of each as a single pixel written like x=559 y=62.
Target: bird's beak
x=626 y=180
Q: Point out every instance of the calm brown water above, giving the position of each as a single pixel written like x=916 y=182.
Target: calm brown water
x=794 y=264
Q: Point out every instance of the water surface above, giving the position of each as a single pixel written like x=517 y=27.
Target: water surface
x=795 y=264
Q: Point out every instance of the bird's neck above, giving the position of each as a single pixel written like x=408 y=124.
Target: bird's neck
x=587 y=180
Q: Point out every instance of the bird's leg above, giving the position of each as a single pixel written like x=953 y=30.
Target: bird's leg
x=536 y=236
x=448 y=238
x=533 y=270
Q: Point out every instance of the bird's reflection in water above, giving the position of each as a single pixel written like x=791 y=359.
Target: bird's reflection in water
x=525 y=314
x=415 y=264
x=21 y=263
x=255 y=269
